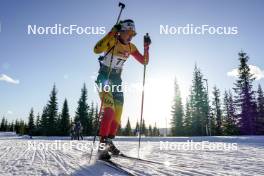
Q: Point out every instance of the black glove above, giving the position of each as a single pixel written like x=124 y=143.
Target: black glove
x=117 y=27
x=147 y=40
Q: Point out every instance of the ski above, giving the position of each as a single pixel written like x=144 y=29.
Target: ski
x=144 y=160
x=137 y=159
x=116 y=166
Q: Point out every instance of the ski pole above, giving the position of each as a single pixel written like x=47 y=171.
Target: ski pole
x=109 y=72
x=142 y=108
x=122 y=7
x=146 y=39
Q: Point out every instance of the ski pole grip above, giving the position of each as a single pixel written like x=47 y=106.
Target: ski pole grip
x=121 y=5
x=147 y=39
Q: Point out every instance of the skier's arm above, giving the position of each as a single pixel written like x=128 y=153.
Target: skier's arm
x=103 y=44
x=143 y=59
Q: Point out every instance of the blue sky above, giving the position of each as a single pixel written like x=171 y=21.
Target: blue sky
x=39 y=61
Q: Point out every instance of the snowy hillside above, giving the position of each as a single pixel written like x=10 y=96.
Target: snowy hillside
x=17 y=158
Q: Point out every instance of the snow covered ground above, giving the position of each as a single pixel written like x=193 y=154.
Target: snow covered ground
x=242 y=156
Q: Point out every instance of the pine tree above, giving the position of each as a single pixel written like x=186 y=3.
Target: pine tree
x=136 y=131
x=199 y=105
x=245 y=97
x=260 y=111
x=31 y=122
x=44 y=122
x=6 y=125
x=150 y=131
x=82 y=113
x=156 y=131
x=216 y=112
x=38 y=121
x=91 y=118
x=59 y=125
x=143 y=128
x=17 y=127
x=96 y=120
x=65 y=120
x=177 y=112
x=127 y=131
x=52 y=113
x=22 y=127
x=38 y=125
x=2 y=126
x=12 y=126
x=229 y=115
x=188 y=119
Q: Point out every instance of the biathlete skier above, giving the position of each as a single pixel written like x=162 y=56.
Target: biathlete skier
x=117 y=47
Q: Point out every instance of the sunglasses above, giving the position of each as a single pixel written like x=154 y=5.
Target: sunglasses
x=130 y=33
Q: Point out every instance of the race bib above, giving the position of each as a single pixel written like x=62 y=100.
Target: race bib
x=117 y=62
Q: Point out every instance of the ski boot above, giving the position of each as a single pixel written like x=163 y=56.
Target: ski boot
x=112 y=148
x=103 y=150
